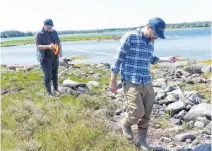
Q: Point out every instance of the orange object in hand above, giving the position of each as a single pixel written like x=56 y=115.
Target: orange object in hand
x=56 y=51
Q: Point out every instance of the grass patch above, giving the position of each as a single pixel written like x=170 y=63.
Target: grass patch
x=207 y=62
x=163 y=122
x=54 y=124
x=13 y=79
x=207 y=75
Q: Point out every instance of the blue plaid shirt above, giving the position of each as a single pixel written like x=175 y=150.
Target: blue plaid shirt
x=135 y=54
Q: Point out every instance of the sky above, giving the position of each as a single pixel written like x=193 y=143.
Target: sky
x=28 y=15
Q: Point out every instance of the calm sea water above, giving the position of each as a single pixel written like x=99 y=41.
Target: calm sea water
x=188 y=43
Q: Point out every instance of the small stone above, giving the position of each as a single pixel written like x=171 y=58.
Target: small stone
x=183 y=137
x=188 y=140
x=161 y=113
x=176 y=121
x=165 y=139
x=181 y=114
x=169 y=89
x=118 y=112
x=69 y=83
x=199 y=124
x=190 y=125
x=157 y=126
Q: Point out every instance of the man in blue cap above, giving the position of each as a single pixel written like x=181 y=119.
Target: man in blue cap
x=135 y=55
x=47 y=41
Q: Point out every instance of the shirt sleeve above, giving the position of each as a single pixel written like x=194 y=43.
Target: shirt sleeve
x=154 y=60
x=122 y=50
x=38 y=39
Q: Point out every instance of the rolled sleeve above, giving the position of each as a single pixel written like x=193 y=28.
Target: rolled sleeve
x=122 y=50
x=154 y=60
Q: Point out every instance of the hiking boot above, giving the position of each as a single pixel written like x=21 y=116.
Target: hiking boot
x=50 y=95
x=56 y=93
x=127 y=130
x=143 y=144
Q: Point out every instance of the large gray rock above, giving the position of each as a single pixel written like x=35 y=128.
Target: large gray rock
x=203 y=109
x=159 y=82
x=12 y=68
x=169 y=99
x=207 y=69
x=175 y=107
x=193 y=97
x=65 y=62
x=178 y=92
x=183 y=137
x=66 y=91
x=196 y=68
x=169 y=89
x=69 y=83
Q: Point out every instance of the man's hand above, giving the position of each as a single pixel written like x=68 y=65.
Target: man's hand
x=113 y=86
x=51 y=46
x=172 y=59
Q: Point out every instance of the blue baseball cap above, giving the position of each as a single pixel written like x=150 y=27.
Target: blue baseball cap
x=158 y=25
x=48 y=22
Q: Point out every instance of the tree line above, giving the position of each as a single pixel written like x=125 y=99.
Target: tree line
x=16 y=33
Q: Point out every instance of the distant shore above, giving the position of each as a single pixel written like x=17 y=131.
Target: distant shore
x=75 y=38
x=10 y=43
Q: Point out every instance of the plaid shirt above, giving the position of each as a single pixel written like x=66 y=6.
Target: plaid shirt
x=134 y=56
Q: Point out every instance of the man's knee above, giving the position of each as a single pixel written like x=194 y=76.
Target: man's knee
x=135 y=115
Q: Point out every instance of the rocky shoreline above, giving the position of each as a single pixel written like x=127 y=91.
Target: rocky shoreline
x=181 y=117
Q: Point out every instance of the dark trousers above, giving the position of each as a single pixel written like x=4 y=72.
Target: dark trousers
x=50 y=70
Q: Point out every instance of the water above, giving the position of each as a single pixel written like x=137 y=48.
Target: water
x=189 y=43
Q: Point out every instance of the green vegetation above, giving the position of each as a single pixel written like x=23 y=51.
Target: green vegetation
x=205 y=62
x=32 y=121
x=75 y=38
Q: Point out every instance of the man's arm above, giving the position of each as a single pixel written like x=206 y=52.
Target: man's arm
x=155 y=60
x=170 y=59
x=39 y=43
x=122 y=50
